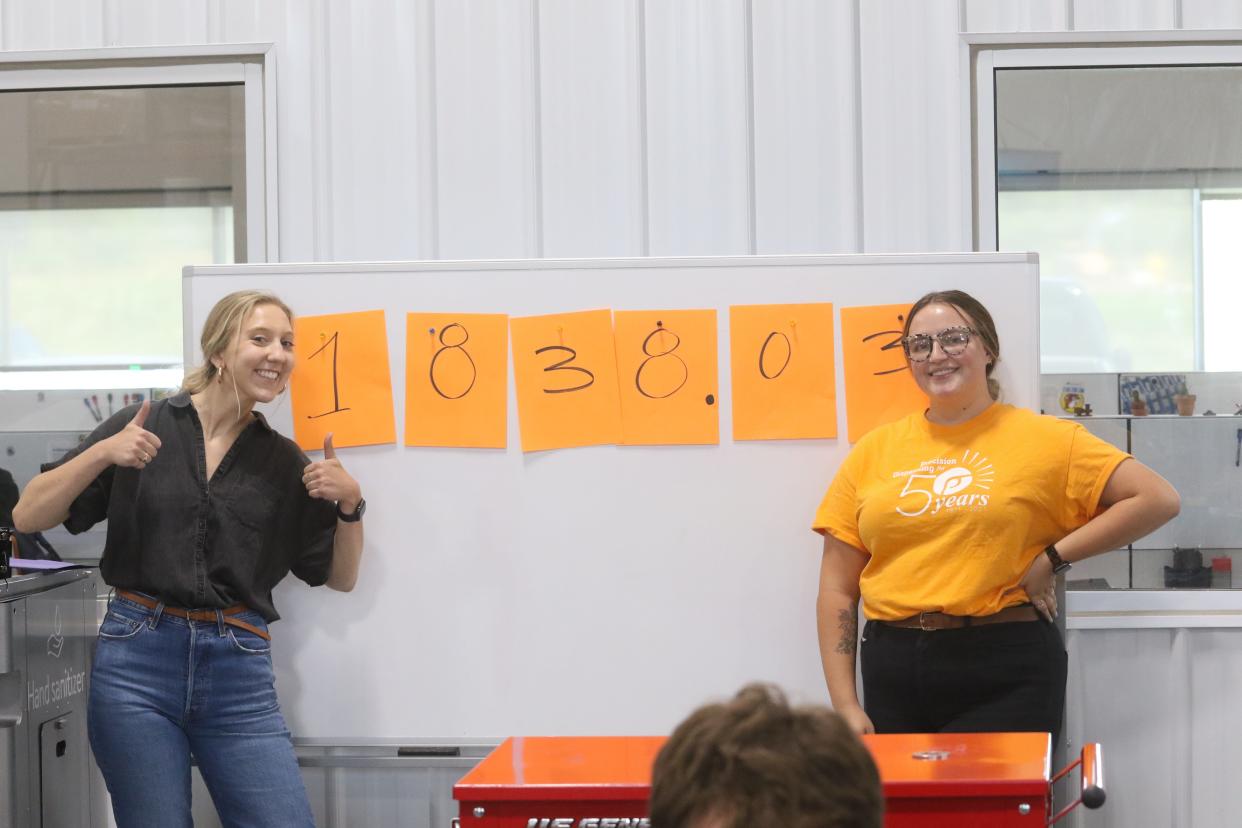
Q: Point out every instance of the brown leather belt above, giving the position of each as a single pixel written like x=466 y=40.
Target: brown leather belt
x=928 y=621
x=230 y=613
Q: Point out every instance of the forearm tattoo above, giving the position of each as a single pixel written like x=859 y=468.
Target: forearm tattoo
x=847 y=623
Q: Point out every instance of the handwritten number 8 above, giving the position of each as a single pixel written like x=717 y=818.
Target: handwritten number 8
x=667 y=352
x=459 y=346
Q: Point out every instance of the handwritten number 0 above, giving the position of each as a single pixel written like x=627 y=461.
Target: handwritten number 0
x=763 y=372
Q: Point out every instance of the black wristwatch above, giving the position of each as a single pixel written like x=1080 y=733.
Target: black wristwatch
x=356 y=514
x=1058 y=564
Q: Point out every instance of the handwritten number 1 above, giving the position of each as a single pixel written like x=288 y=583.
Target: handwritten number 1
x=336 y=394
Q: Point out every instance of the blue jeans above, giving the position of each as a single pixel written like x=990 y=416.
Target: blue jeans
x=163 y=688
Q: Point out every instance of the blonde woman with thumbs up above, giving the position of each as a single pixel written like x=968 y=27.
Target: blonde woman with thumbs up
x=208 y=509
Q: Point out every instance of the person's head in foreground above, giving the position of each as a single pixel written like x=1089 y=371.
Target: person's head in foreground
x=755 y=761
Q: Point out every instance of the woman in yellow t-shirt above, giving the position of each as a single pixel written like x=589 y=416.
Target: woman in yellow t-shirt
x=950 y=525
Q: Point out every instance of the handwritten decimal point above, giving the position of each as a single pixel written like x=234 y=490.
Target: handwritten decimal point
x=711 y=399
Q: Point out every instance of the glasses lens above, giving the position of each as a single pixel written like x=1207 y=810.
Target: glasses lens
x=918 y=347
x=954 y=340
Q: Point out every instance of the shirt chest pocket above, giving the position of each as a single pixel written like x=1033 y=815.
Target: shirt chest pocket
x=255 y=503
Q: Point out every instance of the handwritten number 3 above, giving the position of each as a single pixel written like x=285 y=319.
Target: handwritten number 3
x=888 y=346
x=564 y=365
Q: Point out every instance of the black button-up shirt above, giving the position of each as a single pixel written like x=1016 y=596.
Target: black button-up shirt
x=195 y=542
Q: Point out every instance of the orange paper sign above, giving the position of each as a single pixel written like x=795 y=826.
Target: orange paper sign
x=878 y=385
x=784 y=372
x=565 y=373
x=340 y=381
x=667 y=375
x=456 y=379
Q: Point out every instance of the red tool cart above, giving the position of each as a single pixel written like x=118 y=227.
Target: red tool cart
x=976 y=780
x=560 y=782
x=963 y=780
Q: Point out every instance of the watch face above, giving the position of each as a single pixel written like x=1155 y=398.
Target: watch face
x=356 y=514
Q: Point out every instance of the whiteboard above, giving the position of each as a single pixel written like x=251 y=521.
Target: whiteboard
x=600 y=590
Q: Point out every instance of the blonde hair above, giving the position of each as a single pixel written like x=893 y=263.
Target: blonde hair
x=222 y=328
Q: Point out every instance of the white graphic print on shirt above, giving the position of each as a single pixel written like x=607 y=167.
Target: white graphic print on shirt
x=946 y=483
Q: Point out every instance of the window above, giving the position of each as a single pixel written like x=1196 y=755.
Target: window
x=112 y=178
x=1121 y=166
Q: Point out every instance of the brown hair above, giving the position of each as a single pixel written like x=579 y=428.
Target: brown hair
x=754 y=760
x=979 y=318
x=222 y=328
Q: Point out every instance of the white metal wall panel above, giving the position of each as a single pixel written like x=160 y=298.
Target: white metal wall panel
x=286 y=23
x=376 y=193
x=486 y=121
x=299 y=177
x=245 y=21
x=1017 y=15
x=911 y=141
x=1125 y=14
x=805 y=124
x=592 y=154
x=70 y=24
x=1211 y=14
x=1163 y=704
x=698 y=127
x=148 y=22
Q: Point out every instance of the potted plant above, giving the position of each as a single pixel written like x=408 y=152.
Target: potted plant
x=1138 y=406
x=1184 y=400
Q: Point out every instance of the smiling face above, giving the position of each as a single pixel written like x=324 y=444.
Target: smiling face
x=962 y=378
x=260 y=359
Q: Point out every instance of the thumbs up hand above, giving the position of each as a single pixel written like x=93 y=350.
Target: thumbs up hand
x=327 y=479
x=134 y=446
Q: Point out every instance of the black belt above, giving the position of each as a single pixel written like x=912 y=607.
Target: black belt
x=928 y=621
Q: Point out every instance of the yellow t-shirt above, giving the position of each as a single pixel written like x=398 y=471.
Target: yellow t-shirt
x=952 y=516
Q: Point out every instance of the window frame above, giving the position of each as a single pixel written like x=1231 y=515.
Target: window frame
x=983 y=54
x=253 y=65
